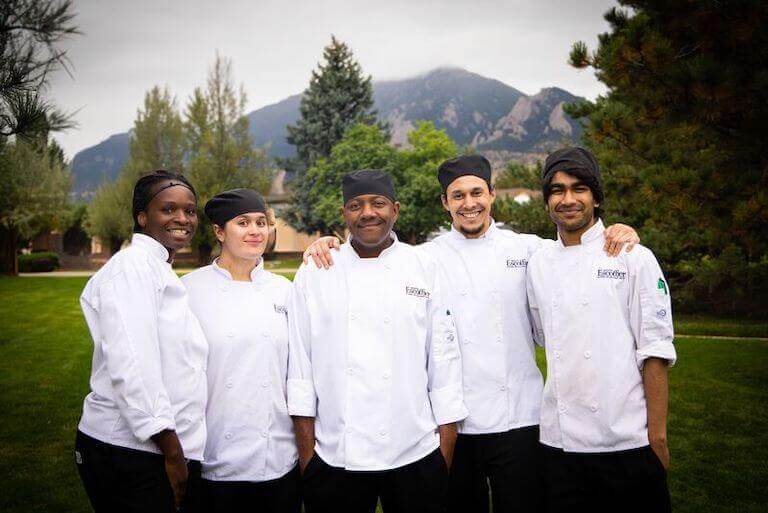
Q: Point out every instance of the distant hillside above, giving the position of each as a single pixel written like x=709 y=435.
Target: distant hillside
x=497 y=119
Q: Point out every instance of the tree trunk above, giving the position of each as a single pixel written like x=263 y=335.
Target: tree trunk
x=204 y=254
x=8 y=262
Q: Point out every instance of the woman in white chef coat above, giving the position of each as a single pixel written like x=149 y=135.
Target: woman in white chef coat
x=250 y=457
x=141 y=436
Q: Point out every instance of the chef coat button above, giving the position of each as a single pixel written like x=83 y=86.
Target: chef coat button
x=224 y=289
x=386 y=319
x=467 y=341
x=554 y=303
x=463 y=292
x=264 y=434
x=498 y=339
x=593 y=406
x=587 y=354
x=562 y=407
x=228 y=436
x=349 y=430
x=557 y=355
x=584 y=301
x=385 y=375
x=503 y=388
x=229 y=384
x=350 y=370
x=265 y=334
x=230 y=334
x=383 y=432
x=450 y=337
x=265 y=384
x=205 y=369
x=352 y=316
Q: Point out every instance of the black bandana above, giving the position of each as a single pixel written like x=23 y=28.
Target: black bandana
x=230 y=204
x=475 y=165
x=367 y=181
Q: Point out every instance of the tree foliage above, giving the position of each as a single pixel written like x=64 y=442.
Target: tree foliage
x=679 y=134
x=517 y=174
x=30 y=34
x=338 y=96
x=221 y=152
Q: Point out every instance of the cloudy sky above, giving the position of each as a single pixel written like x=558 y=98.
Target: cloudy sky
x=129 y=46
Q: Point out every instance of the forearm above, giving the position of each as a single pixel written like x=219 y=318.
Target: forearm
x=655 y=383
x=305 y=436
x=168 y=443
x=448 y=435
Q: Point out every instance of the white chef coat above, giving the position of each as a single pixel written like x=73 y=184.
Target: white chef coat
x=485 y=288
x=250 y=435
x=373 y=356
x=600 y=318
x=149 y=355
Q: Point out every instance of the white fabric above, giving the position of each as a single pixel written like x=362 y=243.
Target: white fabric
x=149 y=356
x=250 y=435
x=485 y=287
x=373 y=356
x=599 y=317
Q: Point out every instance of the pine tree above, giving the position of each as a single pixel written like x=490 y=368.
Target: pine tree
x=338 y=97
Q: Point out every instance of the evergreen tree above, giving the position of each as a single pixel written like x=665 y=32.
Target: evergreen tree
x=680 y=139
x=338 y=96
x=157 y=142
x=221 y=152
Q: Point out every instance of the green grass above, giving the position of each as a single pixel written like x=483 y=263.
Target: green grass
x=718 y=420
x=703 y=325
x=286 y=263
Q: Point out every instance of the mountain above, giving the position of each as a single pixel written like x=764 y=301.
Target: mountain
x=498 y=120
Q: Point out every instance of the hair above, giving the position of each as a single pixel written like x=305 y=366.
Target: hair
x=146 y=189
x=589 y=180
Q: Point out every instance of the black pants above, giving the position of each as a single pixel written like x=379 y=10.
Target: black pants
x=416 y=488
x=275 y=496
x=509 y=461
x=632 y=481
x=121 y=480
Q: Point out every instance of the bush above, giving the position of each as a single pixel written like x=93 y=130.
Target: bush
x=42 y=262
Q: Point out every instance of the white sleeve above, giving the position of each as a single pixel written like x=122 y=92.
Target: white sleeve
x=446 y=391
x=533 y=310
x=651 y=310
x=302 y=400
x=128 y=324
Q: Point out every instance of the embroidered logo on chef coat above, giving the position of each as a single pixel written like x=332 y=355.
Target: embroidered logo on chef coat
x=661 y=313
x=416 y=291
x=281 y=309
x=662 y=287
x=514 y=263
x=614 y=274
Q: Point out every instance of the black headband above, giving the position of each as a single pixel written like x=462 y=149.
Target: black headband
x=367 y=181
x=230 y=204
x=170 y=184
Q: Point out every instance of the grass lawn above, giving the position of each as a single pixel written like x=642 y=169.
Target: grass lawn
x=702 y=325
x=718 y=420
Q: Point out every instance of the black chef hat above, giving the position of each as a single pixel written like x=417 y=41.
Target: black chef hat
x=367 y=181
x=230 y=204
x=475 y=165
x=576 y=162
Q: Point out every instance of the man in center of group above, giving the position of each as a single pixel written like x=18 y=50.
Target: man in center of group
x=485 y=269
x=374 y=378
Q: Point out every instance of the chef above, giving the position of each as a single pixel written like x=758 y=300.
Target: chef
x=374 y=380
x=606 y=324
x=250 y=458
x=141 y=437
x=485 y=269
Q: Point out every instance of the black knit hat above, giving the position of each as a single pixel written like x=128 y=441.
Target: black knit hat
x=230 y=204
x=367 y=181
x=475 y=165
x=577 y=162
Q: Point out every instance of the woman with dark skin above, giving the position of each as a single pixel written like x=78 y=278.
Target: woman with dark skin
x=142 y=434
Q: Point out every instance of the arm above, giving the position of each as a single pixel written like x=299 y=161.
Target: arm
x=175 y=464
x=617 y=235
x=656 y=388
x=533 y=311
x=302 y=400
x=446 y=392
x=320 y=251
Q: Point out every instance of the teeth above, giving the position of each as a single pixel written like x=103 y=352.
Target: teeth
x=470 y=214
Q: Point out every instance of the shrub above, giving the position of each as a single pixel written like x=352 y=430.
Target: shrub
x=42 y=262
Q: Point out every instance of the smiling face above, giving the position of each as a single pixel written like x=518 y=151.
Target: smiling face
x=370 y=218
x=469 y=202
x=571 y=204
x=171 y=217
x=244 y=236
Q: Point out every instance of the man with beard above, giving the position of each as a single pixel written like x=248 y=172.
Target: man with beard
x=606 y=325
x=485 y=269
x=374 y=377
